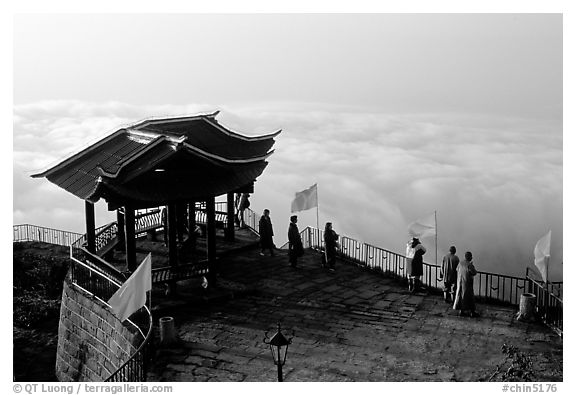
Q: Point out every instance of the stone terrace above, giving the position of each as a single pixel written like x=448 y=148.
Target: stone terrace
x=351 y=325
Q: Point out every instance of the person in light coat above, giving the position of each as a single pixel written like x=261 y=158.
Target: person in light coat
x=464 y=300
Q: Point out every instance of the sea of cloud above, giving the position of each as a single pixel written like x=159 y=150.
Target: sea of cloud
x=495 y=183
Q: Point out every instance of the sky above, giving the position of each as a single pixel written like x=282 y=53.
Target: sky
x=394 y=116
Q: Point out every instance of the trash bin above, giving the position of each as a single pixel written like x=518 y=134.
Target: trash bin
x=167 y=331
x=527 y=307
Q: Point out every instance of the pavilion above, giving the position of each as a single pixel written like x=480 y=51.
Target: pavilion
x=172 y=162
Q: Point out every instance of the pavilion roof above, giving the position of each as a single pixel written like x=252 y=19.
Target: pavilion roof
x=163 y=160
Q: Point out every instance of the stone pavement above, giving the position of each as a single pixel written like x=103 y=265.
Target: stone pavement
x=351 y=325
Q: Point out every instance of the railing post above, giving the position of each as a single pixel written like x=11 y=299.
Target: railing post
x=309 y=237
x=211 y=238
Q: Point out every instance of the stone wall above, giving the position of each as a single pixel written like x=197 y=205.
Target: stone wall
x=92 y=342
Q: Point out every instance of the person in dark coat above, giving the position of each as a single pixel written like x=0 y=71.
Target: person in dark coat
x=295 y=248
x=414 y=261
x=464 y=300
x=266 y=233
x=448 y=274
x=330 y=242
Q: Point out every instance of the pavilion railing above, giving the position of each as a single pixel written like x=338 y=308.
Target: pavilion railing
x=180 y=272
x=147 y=220
x=488 y=287
x=105 y=234
x=27 y=232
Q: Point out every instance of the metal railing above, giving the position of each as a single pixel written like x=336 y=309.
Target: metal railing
x=488 y=287
x=549 y=307
x=554 y=287
x=251 y=220
x=27 y=232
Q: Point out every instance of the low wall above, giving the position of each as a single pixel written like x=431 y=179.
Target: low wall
x=92 y=342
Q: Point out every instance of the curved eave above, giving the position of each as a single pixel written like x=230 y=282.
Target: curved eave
x=230 y=133
x=223 y=160
x=94 y=195
x=156 y=125
x=78 y=155
x=160 y=121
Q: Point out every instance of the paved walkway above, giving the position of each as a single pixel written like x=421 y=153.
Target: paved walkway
x=351 y=325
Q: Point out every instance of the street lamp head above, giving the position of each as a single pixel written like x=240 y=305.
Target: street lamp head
x=278 y=346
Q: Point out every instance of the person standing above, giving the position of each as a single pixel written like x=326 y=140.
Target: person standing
x=243 y=205
x=448 y=274
x=266 y=233
x=414 y=261
x=237 y=208
x=330 y=243
x=164 y=220
x=464 y=300
x=295 y=248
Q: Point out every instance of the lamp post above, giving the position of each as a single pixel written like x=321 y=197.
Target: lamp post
x=279 y=348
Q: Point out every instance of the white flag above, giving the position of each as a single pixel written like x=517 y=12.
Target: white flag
x=542 y=255
x=132 y=294
x=305 y=200
x=423 y=227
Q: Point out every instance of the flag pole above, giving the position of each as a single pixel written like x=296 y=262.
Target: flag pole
x=317 y=209
x=150 y=292
x=548 y=261
x=436 y=233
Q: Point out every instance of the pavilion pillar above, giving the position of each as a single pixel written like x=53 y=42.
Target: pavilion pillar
x=171 y=222
x=120 y=221
x=211 y=238
x=90 y=226
x=192 y=224
x=229 y=233
x=130 y=238
x=180 y=220
x=172 y=245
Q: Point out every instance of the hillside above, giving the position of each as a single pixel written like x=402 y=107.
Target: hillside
x=38 y=273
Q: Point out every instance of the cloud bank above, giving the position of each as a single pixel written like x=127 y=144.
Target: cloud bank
x=495 y=182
